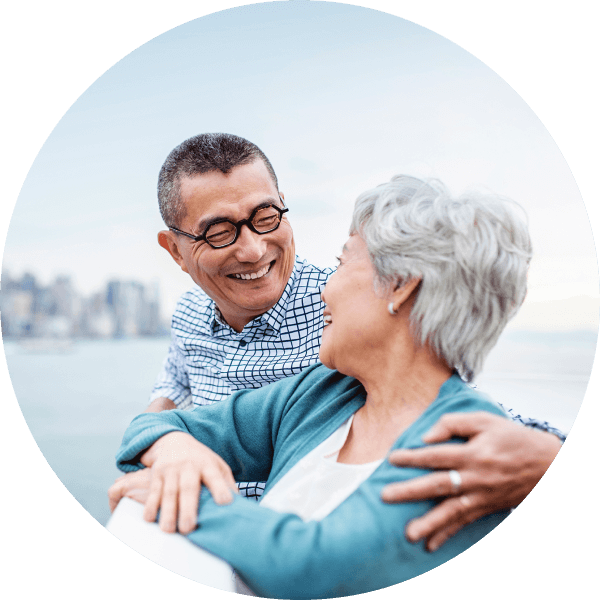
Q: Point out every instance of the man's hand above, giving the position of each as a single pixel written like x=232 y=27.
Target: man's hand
x=499 y=465
x=178 y=466
x=160 y=404
x=134 y=485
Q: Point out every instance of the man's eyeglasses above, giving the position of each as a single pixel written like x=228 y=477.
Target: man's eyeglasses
x=223 y=232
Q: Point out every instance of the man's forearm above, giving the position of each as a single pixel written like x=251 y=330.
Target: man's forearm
x=160 y=404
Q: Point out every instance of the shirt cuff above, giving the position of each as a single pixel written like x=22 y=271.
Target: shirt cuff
x=181 y=397
x=534 y=423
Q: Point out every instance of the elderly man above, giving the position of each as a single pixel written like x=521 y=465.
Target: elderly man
x=256 y=316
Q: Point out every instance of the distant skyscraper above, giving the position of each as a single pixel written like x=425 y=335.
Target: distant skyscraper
x=124 y=309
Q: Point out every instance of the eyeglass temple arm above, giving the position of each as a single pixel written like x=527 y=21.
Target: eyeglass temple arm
x=196 y=238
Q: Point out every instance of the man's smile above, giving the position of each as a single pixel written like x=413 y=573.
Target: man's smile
x=254 y=274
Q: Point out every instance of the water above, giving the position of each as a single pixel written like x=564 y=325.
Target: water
x=78 y=401
x=541 y=375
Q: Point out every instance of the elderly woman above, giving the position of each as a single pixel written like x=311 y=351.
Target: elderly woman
x=425 y=286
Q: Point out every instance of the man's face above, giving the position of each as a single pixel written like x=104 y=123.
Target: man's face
x=233 y=196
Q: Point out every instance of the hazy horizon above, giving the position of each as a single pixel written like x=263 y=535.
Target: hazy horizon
x=577 y=313
x=371 y=95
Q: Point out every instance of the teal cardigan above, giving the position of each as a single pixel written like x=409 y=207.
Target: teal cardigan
x=261 y=434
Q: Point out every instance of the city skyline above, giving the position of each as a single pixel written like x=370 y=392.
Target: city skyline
x=577 y=313
x=119 y=309
x=372 y=96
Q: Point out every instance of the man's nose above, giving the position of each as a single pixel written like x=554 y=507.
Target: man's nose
x=250 y=246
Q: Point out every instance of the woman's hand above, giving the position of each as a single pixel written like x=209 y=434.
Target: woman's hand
x=178 y=466
x=498 y=466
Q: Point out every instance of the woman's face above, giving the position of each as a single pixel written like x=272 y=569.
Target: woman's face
x=356 y=318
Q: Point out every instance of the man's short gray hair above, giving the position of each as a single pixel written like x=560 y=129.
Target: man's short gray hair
x=471 y=253
x=201 y=154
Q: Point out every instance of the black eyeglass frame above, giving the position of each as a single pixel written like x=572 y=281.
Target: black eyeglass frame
x=238 y=226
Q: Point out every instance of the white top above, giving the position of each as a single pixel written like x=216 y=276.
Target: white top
x=318 y=484
x=315 y=485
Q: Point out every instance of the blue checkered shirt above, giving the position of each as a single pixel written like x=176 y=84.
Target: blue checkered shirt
x=208 y=360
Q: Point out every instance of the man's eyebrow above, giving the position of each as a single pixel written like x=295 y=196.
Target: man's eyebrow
x=204 y=223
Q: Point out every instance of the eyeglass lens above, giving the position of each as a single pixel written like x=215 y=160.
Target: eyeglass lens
x=265 y=220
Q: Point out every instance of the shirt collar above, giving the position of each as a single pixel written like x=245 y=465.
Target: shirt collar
x=274 y=317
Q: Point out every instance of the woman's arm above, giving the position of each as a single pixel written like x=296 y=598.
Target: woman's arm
x=239 y=429
x=185 y=449
x=168 y=444
x=499 y=465
x=359 y=547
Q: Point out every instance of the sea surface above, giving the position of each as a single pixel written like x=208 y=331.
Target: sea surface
x=78 y=398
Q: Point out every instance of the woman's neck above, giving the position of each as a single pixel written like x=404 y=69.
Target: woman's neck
x=400 y=386
x=414 y=383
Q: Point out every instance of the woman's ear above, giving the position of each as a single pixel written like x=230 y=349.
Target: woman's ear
x=403 y=292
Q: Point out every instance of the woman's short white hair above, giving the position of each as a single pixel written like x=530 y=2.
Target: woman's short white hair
x=471 y=253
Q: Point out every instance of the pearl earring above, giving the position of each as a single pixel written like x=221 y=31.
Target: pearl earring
x=391 y=309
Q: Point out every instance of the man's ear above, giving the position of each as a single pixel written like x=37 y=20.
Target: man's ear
x=168 y=240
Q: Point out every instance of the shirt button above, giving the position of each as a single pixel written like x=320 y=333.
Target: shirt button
x=243 y=343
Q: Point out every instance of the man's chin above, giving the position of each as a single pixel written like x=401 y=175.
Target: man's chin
x=258 y=306
x=257 y=301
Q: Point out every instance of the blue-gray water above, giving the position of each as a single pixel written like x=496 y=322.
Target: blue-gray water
x=78 y=401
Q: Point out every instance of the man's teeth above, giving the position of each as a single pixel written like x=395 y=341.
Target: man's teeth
x=256 y=275
x=327 y=319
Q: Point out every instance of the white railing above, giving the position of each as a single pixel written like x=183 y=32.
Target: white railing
x=170 y=550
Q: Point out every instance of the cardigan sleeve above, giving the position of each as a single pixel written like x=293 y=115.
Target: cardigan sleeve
x=243 y=429
x=357 y=548
x=238 y=429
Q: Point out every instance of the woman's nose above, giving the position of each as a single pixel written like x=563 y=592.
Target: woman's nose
x=323 y=287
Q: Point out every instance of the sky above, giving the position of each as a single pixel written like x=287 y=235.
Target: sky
x=339 y=97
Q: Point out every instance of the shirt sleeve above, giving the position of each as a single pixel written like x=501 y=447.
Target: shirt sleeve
x=528 y=422
x=173 y=383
